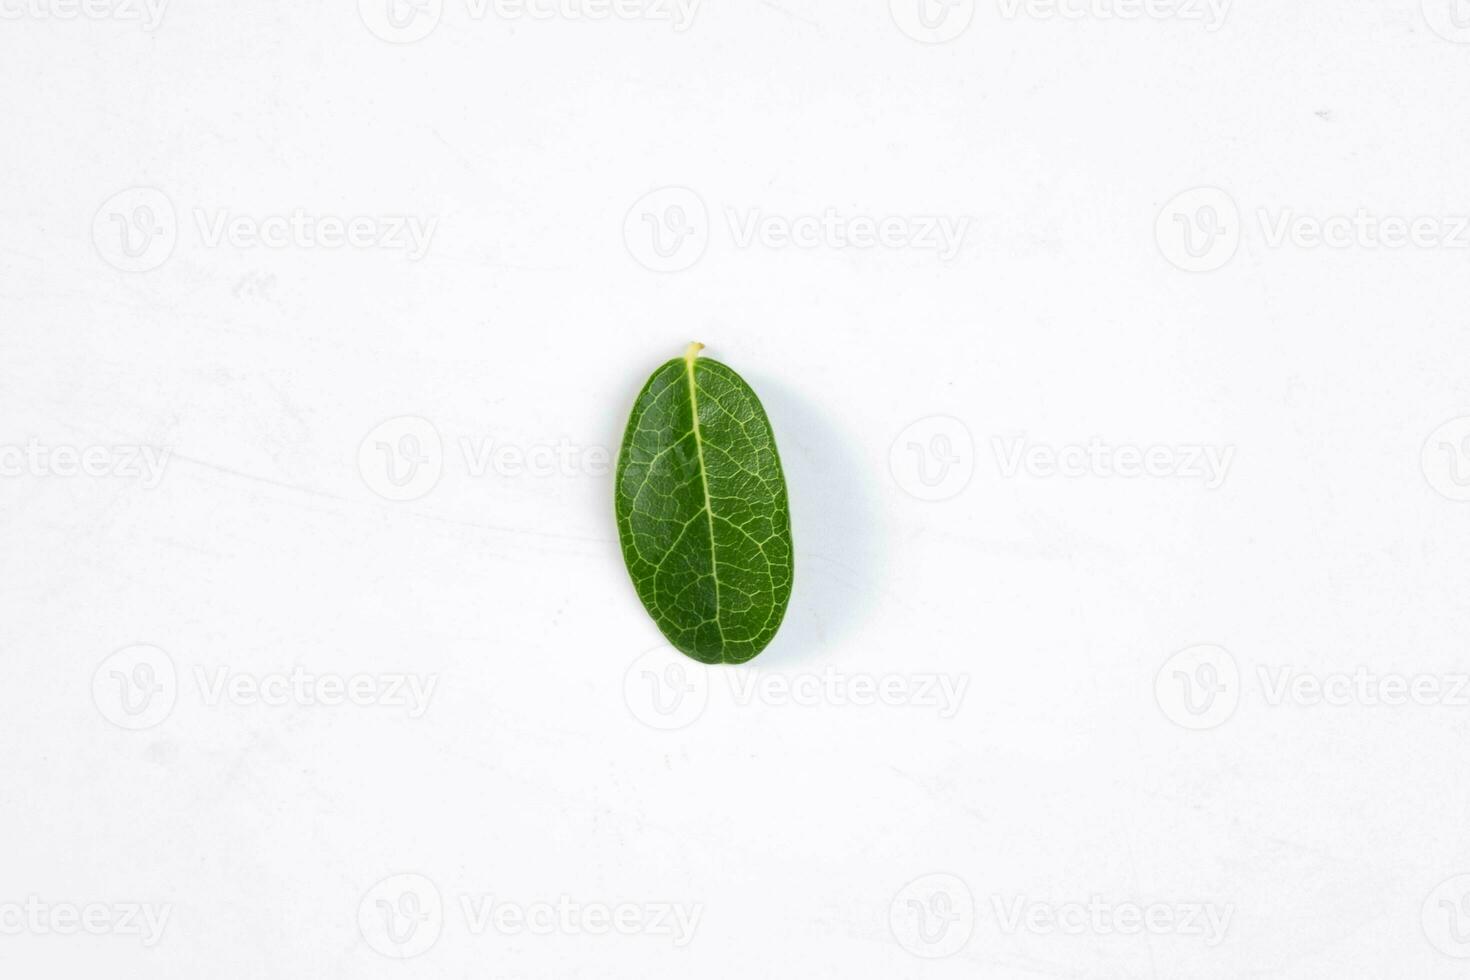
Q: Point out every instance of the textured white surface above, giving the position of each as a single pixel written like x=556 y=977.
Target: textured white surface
x=1029 y=753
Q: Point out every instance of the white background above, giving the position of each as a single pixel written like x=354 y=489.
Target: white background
x=1077 y=769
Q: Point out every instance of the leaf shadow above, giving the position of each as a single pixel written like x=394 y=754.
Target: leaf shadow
x=832 y=528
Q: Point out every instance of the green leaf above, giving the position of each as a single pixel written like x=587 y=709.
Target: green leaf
x=702 y=511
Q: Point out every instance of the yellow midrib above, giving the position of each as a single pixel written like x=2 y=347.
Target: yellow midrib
x=709 y=510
